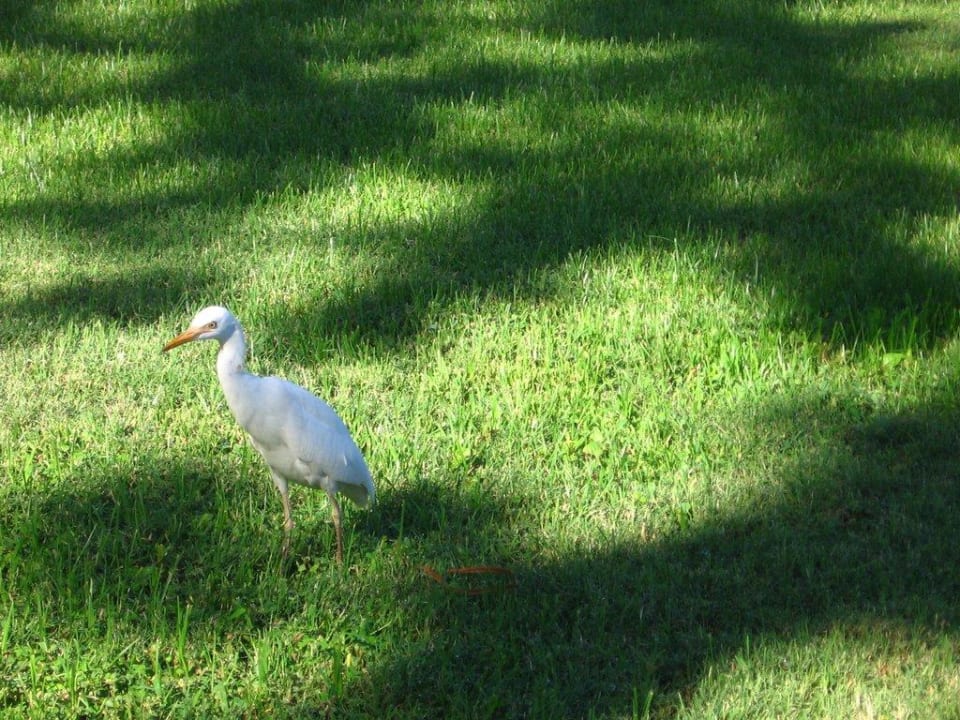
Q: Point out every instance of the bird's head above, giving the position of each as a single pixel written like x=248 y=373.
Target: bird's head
x=211 y=323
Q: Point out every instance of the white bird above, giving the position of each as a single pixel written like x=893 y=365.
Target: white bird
x=301 y=437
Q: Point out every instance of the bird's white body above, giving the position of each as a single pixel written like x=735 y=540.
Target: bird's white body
x=301 y=438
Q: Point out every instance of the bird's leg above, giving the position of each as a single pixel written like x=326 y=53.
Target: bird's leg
x=287 y=519
x=336 y=525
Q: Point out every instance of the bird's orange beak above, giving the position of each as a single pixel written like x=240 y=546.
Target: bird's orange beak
x=184 y=337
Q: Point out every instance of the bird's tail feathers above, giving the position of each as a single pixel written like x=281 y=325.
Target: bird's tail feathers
x=363 y=495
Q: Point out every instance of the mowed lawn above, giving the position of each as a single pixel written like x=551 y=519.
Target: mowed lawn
x=652 y=303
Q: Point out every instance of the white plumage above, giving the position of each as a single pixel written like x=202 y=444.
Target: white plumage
x=302 y=439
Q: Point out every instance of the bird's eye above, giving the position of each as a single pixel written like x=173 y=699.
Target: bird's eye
x=212 y=325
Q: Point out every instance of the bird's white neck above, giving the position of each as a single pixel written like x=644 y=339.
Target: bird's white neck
x=239 y=386
x=230 y=359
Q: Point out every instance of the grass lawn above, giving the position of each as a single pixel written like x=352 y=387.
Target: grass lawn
x=654 y=303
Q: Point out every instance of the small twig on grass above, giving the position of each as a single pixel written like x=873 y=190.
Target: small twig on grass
x=441 y=578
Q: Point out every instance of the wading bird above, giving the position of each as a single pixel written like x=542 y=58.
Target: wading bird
x=302 y=439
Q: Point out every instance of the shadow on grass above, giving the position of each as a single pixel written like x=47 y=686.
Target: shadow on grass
x=134 y=548
x=862 y=542
x=139 y=546
x=121 y=297
x=250 y=109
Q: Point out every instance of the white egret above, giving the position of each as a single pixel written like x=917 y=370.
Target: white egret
x=302 y=439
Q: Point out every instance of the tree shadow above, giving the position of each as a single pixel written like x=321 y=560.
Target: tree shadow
x=860 y=537
x=134 y=548
x=858 y=540
x=255 y=114
x=145 y=539
x=127 y=299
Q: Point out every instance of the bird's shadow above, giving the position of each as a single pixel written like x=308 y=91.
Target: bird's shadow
x=446 y=522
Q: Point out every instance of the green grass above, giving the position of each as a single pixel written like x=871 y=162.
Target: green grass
x=653 y=303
